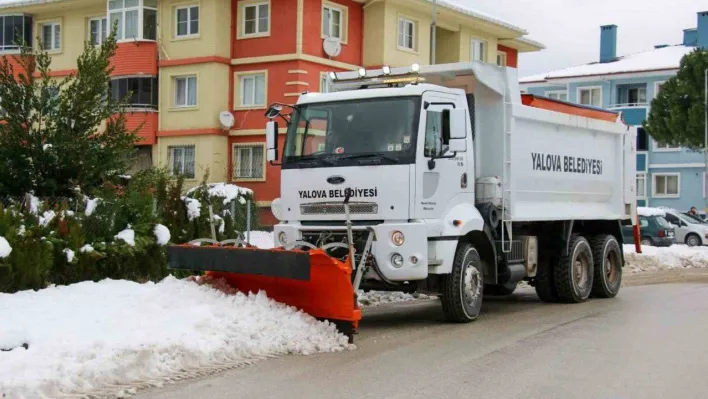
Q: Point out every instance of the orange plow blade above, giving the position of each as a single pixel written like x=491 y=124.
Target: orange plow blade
x=311 y=281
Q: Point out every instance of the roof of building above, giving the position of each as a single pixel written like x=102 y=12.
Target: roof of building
x=455 y=6
x=658 y=59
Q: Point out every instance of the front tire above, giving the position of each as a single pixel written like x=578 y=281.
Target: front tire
x=692 y=240
x=463 y=289
x=575 y=271
x=608 y=266
x=544 y=282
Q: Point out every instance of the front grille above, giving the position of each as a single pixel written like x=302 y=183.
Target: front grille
x=325 y=208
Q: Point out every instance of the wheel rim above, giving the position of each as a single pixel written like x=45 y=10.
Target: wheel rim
x=472 y=287
x=612 y=271
x=581 y=271
x=646 y=243
x=692 y=241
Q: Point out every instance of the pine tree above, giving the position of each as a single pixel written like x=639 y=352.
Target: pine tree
x=677 y=114
x=58 y=133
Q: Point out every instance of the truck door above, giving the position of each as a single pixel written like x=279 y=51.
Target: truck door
x=440 y=174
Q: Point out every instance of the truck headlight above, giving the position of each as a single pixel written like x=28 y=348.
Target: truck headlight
x=398 y=238
x=282 y=238
x=397 y=260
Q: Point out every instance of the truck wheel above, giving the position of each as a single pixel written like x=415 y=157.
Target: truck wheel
x=608 y=266
x=463 y=289
x=544 y=282
x=500 y=290
x=574 y=272
x=692 y=240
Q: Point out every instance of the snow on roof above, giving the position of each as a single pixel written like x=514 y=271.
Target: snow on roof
x=652 y=60
x=649 y=212
x=453 y=5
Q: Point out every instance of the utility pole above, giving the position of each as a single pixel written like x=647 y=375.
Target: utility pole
x=705 y=126
x=433 y=32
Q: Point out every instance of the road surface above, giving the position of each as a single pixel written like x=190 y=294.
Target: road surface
x=649 y=342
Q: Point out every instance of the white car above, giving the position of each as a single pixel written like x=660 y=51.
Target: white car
x=688 y=230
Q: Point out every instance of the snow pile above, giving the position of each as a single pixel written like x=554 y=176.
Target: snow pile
x=260 y=239
x=127 y=235
x=649 y=212
x=376 y=298
x=98 y=339
x=86 y=249
x=5 y=248
x=677 y=256
x=69 y=255
x=162 y=234
x=193 y=208
x=91 y=205
x=47 y=218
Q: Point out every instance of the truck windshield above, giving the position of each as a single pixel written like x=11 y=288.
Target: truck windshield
x=380 y=130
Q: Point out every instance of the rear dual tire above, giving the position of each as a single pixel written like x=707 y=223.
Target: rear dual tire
x=607 y=254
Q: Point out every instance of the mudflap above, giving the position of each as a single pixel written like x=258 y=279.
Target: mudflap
x=311 y=281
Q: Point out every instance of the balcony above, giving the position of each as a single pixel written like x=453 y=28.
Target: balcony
x=632 y=114
x=148 y=130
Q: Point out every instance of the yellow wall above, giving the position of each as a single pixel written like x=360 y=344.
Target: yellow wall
x=74 y=30
x=214 y=30
x=212 y=97
x=211 y=152
x=453 y=40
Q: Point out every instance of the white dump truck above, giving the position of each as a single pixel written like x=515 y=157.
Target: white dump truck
x=467 y=189
x=441 y=179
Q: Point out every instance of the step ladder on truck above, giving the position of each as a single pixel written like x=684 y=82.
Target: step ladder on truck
x=441 y=179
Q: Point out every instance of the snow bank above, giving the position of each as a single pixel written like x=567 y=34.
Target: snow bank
x=376 y=298
x=665 y=258
x=127 y=235
x=648 y=212
x=102 y=338
x=5 y=248
x=162 y=234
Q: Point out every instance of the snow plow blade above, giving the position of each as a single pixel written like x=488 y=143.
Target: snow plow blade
x=311 y=281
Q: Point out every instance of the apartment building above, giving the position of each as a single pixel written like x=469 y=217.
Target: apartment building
x=191 y=63
x=666 y=176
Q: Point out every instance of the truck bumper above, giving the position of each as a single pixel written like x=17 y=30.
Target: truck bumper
x=413 y=251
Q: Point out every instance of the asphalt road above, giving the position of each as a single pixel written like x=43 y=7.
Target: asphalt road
x=649 y=342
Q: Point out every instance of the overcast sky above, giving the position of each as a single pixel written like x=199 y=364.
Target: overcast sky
x=570 y=29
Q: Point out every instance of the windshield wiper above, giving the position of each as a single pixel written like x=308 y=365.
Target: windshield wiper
x=313 y=159
x=369 y=156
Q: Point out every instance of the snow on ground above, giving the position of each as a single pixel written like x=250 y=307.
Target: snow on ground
x=115 y=336
x=676 y=256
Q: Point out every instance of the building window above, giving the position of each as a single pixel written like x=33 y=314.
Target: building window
x=641 y=185
x=631 y=95
x=560 y=95
x=590 y=96
x=185 y=91
x=13 y=30
x=98 y=30
x=51 y=36
x=253 y=90
x=182 y=161
x=657 y=88
x=666 y=184
x=142 y=91
x=256 y=19
x=478 y=50
x=501 y=58
x=136 y=19
x=325 y=86
x=664 y=147
x=187 y=21
x=333 y=22
x=642 y=140
x=406 y=33
x=248 y=161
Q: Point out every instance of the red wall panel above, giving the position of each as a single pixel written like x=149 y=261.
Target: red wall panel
x=512 y=56
x=312 y=36
x=17 y=69
x=148 y=130
x=134 y=58
x=283 y=27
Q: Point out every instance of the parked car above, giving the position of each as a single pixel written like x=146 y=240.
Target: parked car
x=654 y=229
x=701 y=217
x=689 y=230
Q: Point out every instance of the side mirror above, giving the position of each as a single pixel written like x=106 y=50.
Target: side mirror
x=458 y=123
x=272 y=141
x=458 y=145
x=273 y=111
